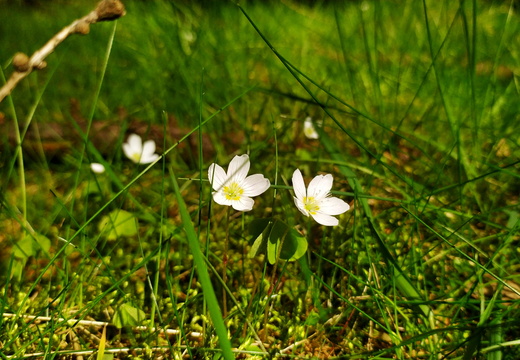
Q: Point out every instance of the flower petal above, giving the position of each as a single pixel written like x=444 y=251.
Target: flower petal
x=244 y=204
x=299 y=204
x=325 y=219
x=333 y=206
x=238 y=168
x=148 y=148
x=299 y=185
x=255 y=185
x=147 y=158
x=135 y=143
x=97 y=168
x=320 y=186
x=217 y=176
x=129 y=151
x=221 y=199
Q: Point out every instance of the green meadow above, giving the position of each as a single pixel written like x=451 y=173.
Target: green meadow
x=415 y=107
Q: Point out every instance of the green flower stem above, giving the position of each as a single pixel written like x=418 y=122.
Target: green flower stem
x=224 y=264
x=21 y=171
x=272 y=287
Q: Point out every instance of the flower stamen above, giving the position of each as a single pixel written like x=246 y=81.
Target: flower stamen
x=233 y=192
x=311 y=205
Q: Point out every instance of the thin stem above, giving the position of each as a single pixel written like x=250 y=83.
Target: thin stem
x=224 y=264
x=21 y=170
x=267 y=304
x=19 y=156
x=155 y=287
x=272 y=287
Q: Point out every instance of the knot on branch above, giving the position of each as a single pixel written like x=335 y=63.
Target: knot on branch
x=82 y=27
x=21 y=62
x=110 y=10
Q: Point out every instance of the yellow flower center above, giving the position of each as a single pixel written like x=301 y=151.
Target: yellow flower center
x=311 y=205
x=233 y=191
x=136 y=157
x=309 y=131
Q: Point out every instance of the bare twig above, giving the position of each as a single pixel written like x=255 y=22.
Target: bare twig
x=192 y=334
x=23 y=65
x=124 y=350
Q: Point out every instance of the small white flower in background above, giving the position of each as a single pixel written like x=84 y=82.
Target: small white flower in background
x=309 y=130
x=316 y=200
x=97 y=168
x=235 y=188
x=138 y=152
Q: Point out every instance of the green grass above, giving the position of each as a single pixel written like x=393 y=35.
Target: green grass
x=420 y=110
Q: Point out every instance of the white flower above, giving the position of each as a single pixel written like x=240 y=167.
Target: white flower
x=316 y=200
x=309 y=130
x=236 y=188
x=138 y=152
x=97 y=168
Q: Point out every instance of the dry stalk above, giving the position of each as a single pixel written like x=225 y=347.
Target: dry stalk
x=75 y=322
x=106 y=10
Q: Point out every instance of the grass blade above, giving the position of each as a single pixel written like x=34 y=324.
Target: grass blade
x=102 y=343
x=202 y=270
x=403 y=283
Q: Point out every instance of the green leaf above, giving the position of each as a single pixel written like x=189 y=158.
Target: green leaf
x=259 y=229
x=276 y=236
x=30 y=245
x=118 y=223
x=24 y=248
x=42 y=243
x=269 y=235
x=127 y=315
x=294 y=246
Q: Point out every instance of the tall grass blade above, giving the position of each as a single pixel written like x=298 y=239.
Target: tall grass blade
x=202 y=270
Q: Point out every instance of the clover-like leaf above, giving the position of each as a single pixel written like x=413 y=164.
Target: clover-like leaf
x=30 y=245
x=118 y=223
x=294 y=246
x=259 y=229
x=127 y=315
x=276 y=237
x=269 y=235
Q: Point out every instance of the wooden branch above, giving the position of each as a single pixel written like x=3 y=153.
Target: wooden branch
x=106 y=10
